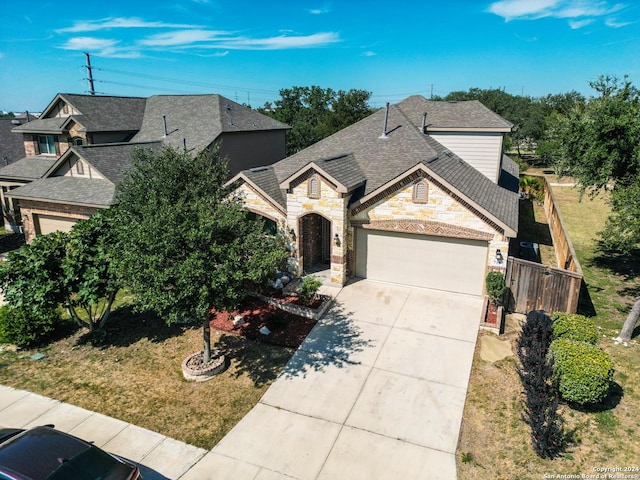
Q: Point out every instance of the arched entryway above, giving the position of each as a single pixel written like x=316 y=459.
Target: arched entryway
x=315 y=243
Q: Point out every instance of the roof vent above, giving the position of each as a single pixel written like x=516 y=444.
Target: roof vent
x=386 y=119
x=424 y=122
x=258 y=169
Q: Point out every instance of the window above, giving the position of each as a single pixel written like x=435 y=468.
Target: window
x=80 y=167
x=46 y=144
x=420 y=192
x=314 y=187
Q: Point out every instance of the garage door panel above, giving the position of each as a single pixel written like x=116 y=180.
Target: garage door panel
x=50 y=223
x=444 y=263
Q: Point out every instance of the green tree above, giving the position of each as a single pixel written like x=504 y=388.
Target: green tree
x=89 y=278
x=315 y=113
x=73 y=270
x=184 y=246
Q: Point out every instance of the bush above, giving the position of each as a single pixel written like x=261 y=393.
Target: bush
x=541 y=395
x=308 y=288
x=496 y=287
x=24 y=327
x=574 y=327
x=584 y=371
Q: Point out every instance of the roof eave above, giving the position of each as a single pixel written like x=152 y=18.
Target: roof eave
x=434 y=129
x=59 y=202
x=242 y=177
x=508 y=231
x=340 y=188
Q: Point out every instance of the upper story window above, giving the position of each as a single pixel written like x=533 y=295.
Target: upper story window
x=421 y=192
x=80 y=167
x=46 y=145
x=314 y=187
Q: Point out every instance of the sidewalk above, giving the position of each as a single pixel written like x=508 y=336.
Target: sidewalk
x=159 y=457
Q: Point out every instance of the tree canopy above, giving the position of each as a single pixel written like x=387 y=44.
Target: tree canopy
x=73 y=270
x=185 y=246
x=315 y=113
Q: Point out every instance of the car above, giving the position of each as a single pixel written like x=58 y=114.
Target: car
x=44 y=453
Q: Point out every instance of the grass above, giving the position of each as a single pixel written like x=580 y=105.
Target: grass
x=134 y=374
x=493 y=433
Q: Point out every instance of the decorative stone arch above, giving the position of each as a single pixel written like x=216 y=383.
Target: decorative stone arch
x=271 y=223
x=315 y=232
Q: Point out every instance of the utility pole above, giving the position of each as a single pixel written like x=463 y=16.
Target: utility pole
x=92 y=89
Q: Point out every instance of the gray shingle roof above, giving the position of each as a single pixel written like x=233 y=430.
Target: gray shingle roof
x=382 y=160
x=68 y=190
x=510 y=174
x=11 y=143
x=345 y=169
x=28 y=168
x=97 y=114
x=112 y=160
x=266 y=179
x=443 y=115
x=199 y=119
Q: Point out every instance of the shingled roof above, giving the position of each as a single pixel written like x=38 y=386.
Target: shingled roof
x=363 y=150
x=68 y=190
x=97 y=114
x=11 y=143
x=198 y=120
x=113 y=159
x=28 y=168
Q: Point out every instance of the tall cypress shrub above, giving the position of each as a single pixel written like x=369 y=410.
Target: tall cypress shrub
x=541 y=394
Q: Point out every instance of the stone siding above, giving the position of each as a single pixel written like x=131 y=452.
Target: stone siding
x=258 y=204
x=331 y=205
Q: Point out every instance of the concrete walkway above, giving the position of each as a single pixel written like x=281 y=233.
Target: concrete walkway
x=376 y=391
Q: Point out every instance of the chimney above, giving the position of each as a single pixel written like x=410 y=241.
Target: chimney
x=386 y=119
x=424 y=122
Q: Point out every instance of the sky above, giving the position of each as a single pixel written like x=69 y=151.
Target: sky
x=248 y=50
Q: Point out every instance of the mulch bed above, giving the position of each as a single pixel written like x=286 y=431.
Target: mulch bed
x=287 y=329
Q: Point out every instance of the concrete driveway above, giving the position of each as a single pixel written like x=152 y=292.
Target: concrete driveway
x=376 y=391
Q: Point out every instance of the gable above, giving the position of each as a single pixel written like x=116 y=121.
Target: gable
x=399 y=203
x=72 y=165
x=255 y=201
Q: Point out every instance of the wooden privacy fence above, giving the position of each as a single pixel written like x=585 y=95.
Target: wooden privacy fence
x=534 y=286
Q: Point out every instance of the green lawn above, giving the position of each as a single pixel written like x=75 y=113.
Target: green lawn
x=495 y=441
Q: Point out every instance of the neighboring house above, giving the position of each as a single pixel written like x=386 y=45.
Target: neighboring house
x=78 y=149
x=420 y=194
x=11 y=150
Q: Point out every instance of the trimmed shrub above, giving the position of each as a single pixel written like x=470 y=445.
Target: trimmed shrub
x=308 y=288
x=574 y=327
x=24 y=327
x=496 y=287
x=584 y=371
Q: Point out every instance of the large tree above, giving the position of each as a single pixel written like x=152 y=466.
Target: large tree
x=599 y=141
x=184 y=245
x=315 y=113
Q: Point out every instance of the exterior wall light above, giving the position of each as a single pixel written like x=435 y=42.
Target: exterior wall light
x=499 y=256
x=292 y=234
x=336 y=240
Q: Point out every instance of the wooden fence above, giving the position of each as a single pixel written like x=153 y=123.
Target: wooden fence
x=534 y=286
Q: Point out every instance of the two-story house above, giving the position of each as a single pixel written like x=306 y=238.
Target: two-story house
x=79 y=148
x=418 y=194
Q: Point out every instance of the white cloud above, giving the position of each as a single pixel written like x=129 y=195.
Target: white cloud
x=100 y=47
x=579 y=13
x=369 y=54
x=576 y=24
x=120 y=22
x=533 y=9
x=281 y=42
x=182 y=37
x=516 y=9
x=610 y=22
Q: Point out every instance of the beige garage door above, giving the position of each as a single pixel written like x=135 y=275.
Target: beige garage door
x=49 y=223
x=451 y=264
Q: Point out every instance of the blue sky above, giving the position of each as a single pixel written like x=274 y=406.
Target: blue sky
x=249 y=50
